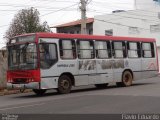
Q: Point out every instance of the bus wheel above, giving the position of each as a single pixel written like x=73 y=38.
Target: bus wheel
x=126 y=80
x=101 y=86
x=64 y=84
x=39 y=92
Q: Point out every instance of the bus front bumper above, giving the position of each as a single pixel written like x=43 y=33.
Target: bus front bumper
x=33 y=85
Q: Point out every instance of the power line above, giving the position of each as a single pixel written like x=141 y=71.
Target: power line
x=71 y=9
x=60 y=1
x=49 y=12
x=148 y=11
x=3 y=26
x=129 y=16
x=20 y=5
x=130 y=12
x=59 y=10
x=119 y=24
x=109 y=2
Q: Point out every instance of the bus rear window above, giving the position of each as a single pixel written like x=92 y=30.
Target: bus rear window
x=148 y=50
x=134 y=50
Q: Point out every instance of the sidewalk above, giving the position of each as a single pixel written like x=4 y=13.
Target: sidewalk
x=8 y=92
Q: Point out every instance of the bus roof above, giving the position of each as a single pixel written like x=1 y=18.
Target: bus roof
x=92 y=37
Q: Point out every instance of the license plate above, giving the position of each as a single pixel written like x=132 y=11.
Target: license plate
x=19 y=86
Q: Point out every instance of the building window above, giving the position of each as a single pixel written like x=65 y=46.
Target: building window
x=109 y=32
x=85 y=49
x=155 y=28
x=134 y=49
x=67 y=49
x=102 y=49
x=148 y=50
x=134 y=30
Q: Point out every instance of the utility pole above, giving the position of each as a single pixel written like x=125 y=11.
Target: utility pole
x=135 y=4
x=83 y=16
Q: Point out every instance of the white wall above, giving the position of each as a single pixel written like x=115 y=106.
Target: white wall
x=145 y=4
x=120 y=23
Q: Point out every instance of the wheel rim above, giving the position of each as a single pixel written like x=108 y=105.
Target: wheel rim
x=127 y=79
x=65 y=84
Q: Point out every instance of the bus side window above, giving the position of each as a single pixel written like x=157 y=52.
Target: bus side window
x=48 y=55
x=103 y=49
x=67 y=49
x=134 y=50
x=119 y=49
x=148 y=50
x=85 y=49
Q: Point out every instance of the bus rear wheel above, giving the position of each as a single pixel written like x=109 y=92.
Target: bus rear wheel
x=39 y=92
x=64 y=84
x=101 y=86
x=127 y=79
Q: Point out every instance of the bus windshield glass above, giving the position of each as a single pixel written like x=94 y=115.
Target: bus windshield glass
x=22 y=56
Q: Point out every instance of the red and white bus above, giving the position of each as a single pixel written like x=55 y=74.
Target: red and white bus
x=43 y=61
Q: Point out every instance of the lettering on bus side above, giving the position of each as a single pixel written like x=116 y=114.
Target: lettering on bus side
x=66 y=65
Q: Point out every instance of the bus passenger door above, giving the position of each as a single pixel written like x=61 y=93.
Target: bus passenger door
x=149 y=60
x=118 y=59
x=103 y=62
x=134 y=62
x=87 y=72
x=87 y=63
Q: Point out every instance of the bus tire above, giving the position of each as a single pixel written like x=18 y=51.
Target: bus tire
x=39 y=92
x=64 y=84
x=127 y=79
x=101 y=86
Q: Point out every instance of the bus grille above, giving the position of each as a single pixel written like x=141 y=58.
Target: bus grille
x=19 y=80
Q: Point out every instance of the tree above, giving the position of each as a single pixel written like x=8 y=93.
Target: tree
x=26 y=21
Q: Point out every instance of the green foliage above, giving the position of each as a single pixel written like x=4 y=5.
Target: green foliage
x=26 y=21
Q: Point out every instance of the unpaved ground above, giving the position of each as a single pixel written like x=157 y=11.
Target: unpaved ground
x=9 y=92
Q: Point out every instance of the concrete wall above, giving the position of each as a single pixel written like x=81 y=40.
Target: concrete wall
x=145 y=4
x=3 y=68
x=121 y=23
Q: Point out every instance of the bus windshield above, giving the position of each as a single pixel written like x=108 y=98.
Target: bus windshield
x=22 y=56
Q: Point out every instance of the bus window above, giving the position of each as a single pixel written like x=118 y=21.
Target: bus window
x=48 y=55
x=134 y=50
x=102 y=49
x=85 y=49
x=67 y=49
x=119 y=49
x=148 y=50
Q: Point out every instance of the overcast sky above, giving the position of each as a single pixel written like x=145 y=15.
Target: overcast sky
x=54 y=12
